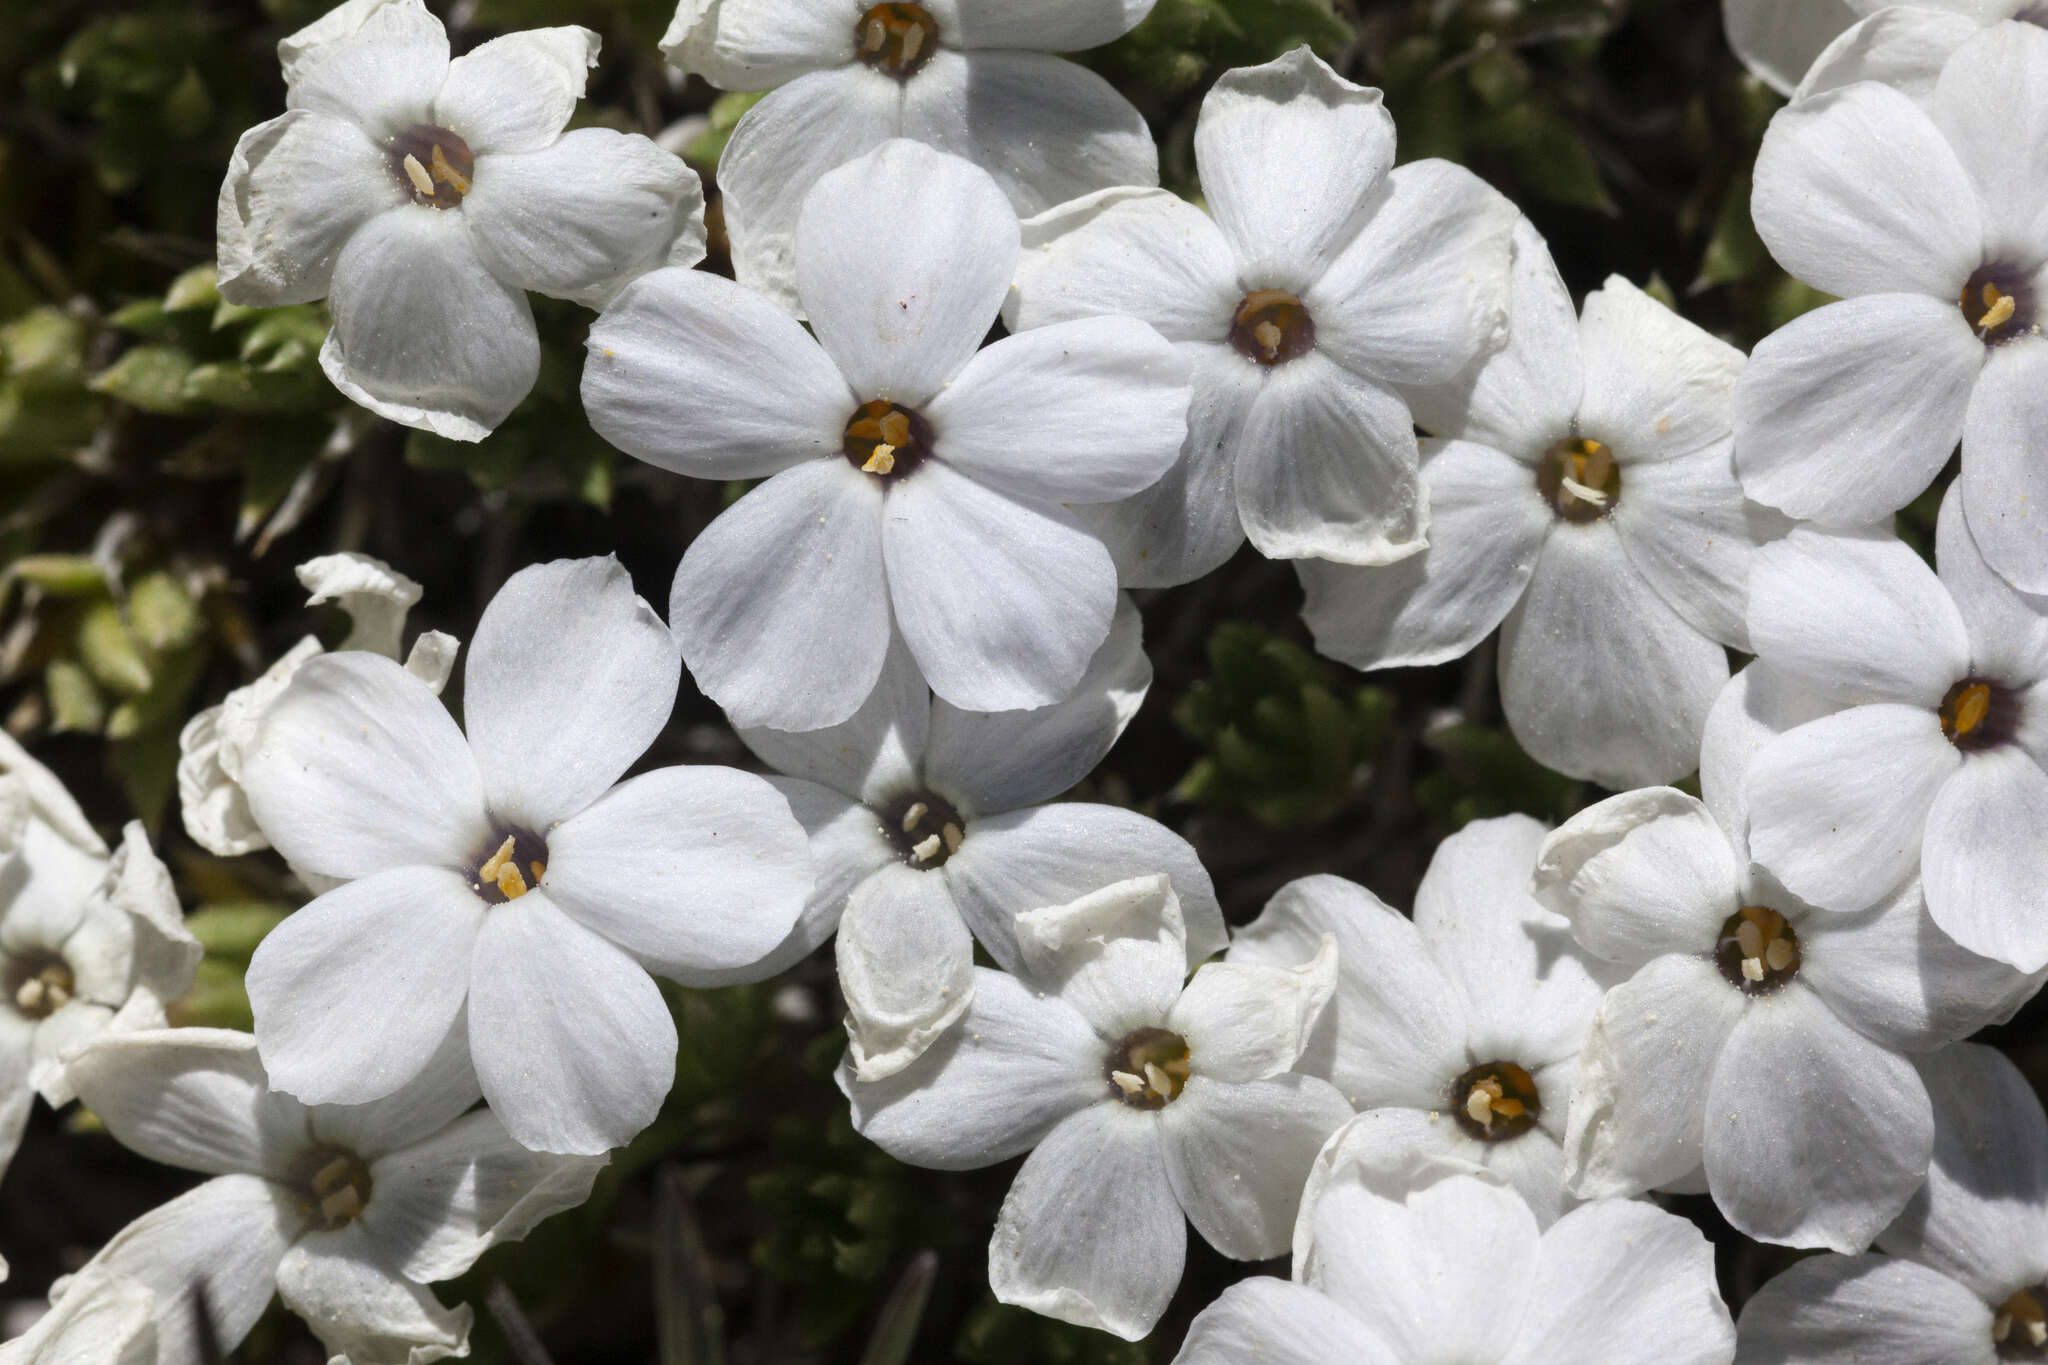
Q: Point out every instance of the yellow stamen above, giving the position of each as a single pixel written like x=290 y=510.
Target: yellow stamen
x=913 y=42
x=510 y=884
x=1973 y=705
x=1999 y=307
x=1750 y=938
x=417 y=173
x=882 y=461
x=496 y=862
x=446 y=173
x=895 y=427
x=876 y=35
x=1778 y=956
x=1268 y=335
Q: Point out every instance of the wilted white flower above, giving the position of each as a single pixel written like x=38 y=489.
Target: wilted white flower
x=90 y=943
x=970 y=77
x=1931 y=761
x=1458 y=1031
x=1144 y=1105
x=348 y=1212
x=1965 y=1281
x=917 y=485
x=1932 y=227
x=1583 y=498
x=500 y=885
x=928 y=833
x=1414 y=1257
x=214 y=742
x=423 y=197
x=1323 y=279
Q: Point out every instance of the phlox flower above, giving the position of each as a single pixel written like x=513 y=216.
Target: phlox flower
x=1145 y=1103
x=506 y=885
x=1458 y=1031
x=347 y=1212
x=1319 y=279
x=916 y=485
x=1931 y=225
x=423 y=197
x=1932 y=759
x=212 y=744
x=970 y=77
x=1964 y=1283
x=1906 y=46
x=1583 y=498
x=1769 y=1042
x=929 y=832
x=1415 y=1257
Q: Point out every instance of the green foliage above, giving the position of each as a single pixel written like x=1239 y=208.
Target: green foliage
x=1181 y=42
x=1484 y=773
x=229 y=931
x=997 y=1334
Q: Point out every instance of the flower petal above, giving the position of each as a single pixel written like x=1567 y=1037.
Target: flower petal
x=2002 y=482
x=757 y=44
x=516 y=92
x=1690 y=532
x=191 y=1097
x=1657 y=386
x=360 y=1310
x=1867 y=1308
x=1776 y=41
x=871 y=756
x=2007 y=627
x=1238 y=1154
x=1117 y=955
x=1249 y=1022
x=1758 y=704
x=1985 y=848
x=1641 y=874
x=1131 y=252
x=906 y=967
x=297 y=189
x=381 y=75
x=1043 y=25
x=1902 y=46
x=1988 y=103
x=1278 y=1323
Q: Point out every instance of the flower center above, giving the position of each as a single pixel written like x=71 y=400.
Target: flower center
x=1998 y=304
x=1495 y=1101
x=335 y=1181
x=896 y=39
x=434 y=164
x=1580 y=479
x=1977 y=714
x=1272 y=327
x=503 y=873
x=885 y=440
x=40 y=984
x=2019 y=1327
x=1757 y=950
x=1148 y=1069
x=925 y=829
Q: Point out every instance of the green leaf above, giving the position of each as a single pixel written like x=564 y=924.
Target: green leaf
x=160 y=612
x=149 y=377
x=1734 y=251
x=232 y=929
x=75 y=703
x=60 y=575
x=110 y=653
x=1547 y=154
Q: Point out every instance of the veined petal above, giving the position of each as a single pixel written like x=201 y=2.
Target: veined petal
x=1988 y=102
x=1690 y=532
x=758 y=44
x=2002 y=484
x=1902 y=46
x=1117 y=955
x=1758 y=704
x=1126 y=251
x=906 y=968
x=362 y=1311
x=297 y=188
x=873 y=755
x=516 y=92
x=1641 y=874
x=2007 y=627
x=1985 y=850
x=1043 y=25
x=382 y=74
x=1249 y=1022
x=1865 y=1307
x=1269 y=1320
x=1656 y=385
x=191 y=1097
x=1777 y=41
x=1237 y=1155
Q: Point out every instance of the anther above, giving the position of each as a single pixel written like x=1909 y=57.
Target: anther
x=913 y=42
x=417 y=173
x=954 y=837
x=1752 y=969
x=1271 y=327
x=2001 y=1327
x=1751 y=938
x=1132 y=1085
x=917 y=811
x=1479 y=1106
x=447 y=174
x=926 y=849
x=510 y=884
x=1156 y=1077
x=1778 y=956
x=876 y=35
x=496 y=862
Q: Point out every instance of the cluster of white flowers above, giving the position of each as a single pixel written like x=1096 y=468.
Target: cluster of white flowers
x=916 y=618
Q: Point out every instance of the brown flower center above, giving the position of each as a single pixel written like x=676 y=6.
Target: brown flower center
x=1271 y=327
x=1998 y=303
x=896 y=39
x=1978 y=714
x=433 y=164
x=1495 y=1101
x=885 y=440
x=926 y=829
x=40 y=984
x=1757 y=950
x=2019 y=1327
x=511 y=867
x=335 y=1181
x=1580 y=479
x=1148 y=1069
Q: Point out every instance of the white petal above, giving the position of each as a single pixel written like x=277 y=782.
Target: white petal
x=1090 y=1232
x=1865 y=1308
x=189 y=1097
x=381 y=75
x=2002 y=483
x=1117 y=955
x=1889 y=373
x=356 y=991
x=1985 y=852
x=572 y=1042
x=906 y=967
x=436 y=1205
x=1656 y=385
x=1001 y=760
x=871 y=756
x=1988 y=102
x=1815 y=1136
x=423 y=333
x=1778 y=41
x=2008 y=628
x=1076 y=412
x=1238 y=1155
x=757 y=44
x=1422 y=292
x=102 y=1321
x=1857 y=192
x=1247 y=1022
x=1902 y=46
x=1291 y=157
x=989 y=1089
x=1326 y=468
x=570 y=677
x=705 y=377
x=1641 y=874
x=902 y=259
x=579 y=218
x=358 y=768
x=1639 y=1107
x=360 y=1310
x=515 y=93
x=1043 y=25
x=781 y=605
x=1394 y=1031
x=1369 y=1146
x=297 y=188
x=1837 y=807
x=1860 y=618
x=1485 y=530
x=1599 y=677
x=1690 y=532
x=1132 y=252
x=686 y=867
x=1278 y=1323
x=375 y=596
x=1003 y=603
x=443 y=1091
x=1758 y=704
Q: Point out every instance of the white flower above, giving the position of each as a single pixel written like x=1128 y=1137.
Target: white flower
x=1906 y=46
x=1144 y=1105
x=214 y=742
x=1931 y=759
x=348 y=1212
x=1932 y=227
x=1583 y=498
x=927 y=833
x=1418 y=1258
x=1458 y=1031
x=1779 y=39
x=89 y=944
x=915 y=484
x=423 y=197
x=1964 y=1283
x=1757 y=1035
x=1323 y=280
x=970 y=77
x=502 y=885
